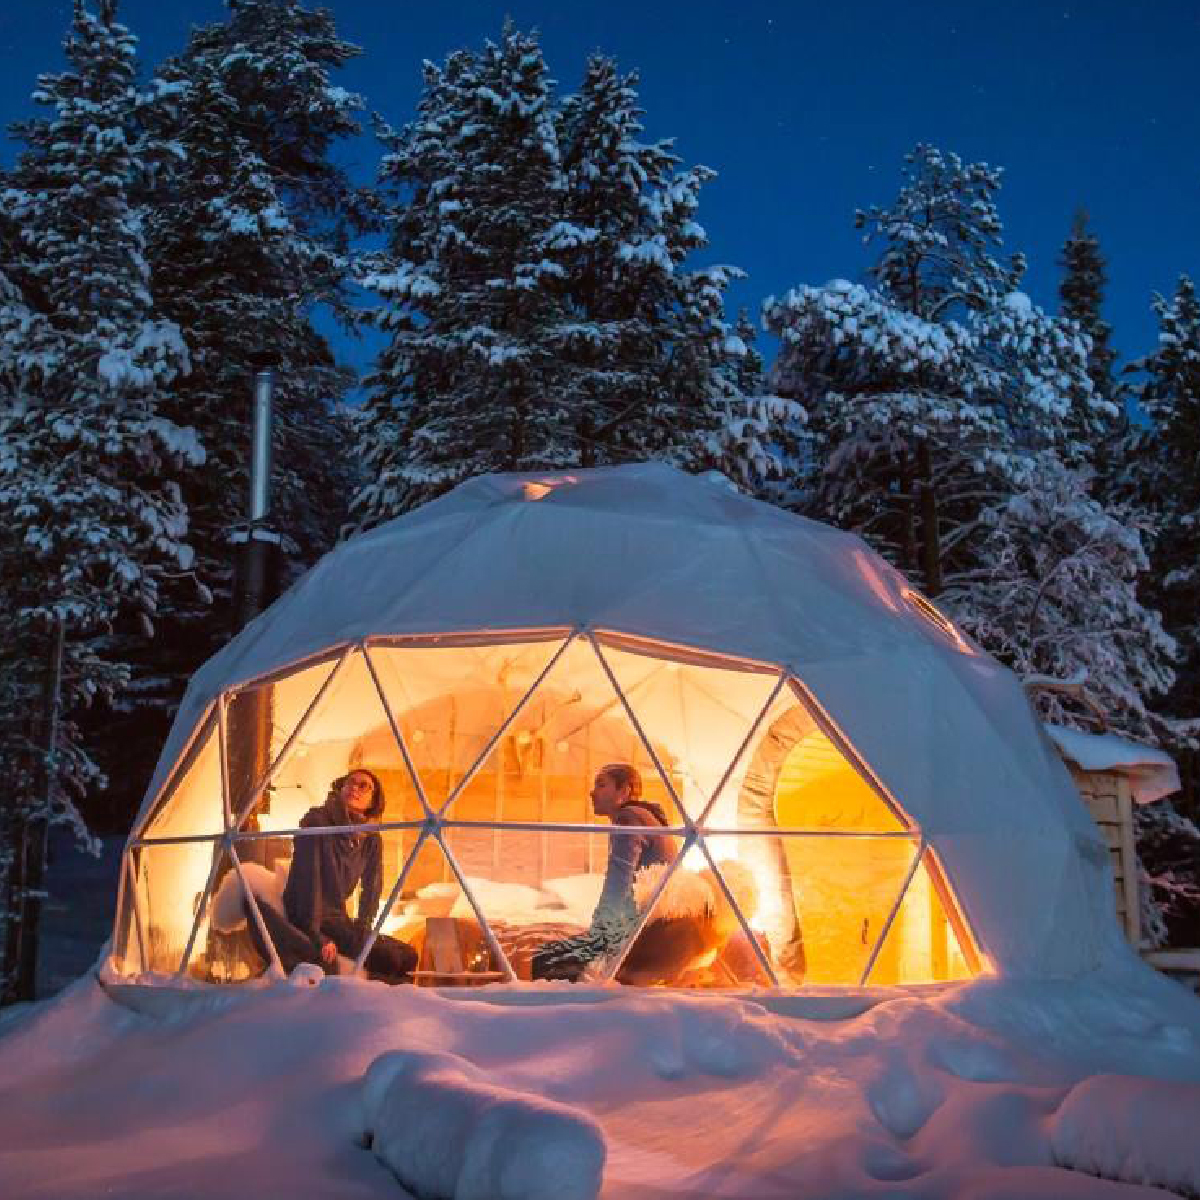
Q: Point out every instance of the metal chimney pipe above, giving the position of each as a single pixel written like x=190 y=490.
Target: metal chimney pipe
x=258 y=556
x=260 y=460
x=257 y=571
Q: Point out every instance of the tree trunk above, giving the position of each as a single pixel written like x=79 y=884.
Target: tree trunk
x=516 y=434
x=931 y=549
x=587 y=448
x=39 y=827
x=908 y=520
x=28 y=828
x=14 y=890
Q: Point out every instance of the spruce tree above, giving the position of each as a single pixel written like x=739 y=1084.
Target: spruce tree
x=1081 y=295
x=1169 y=454
x=928 y=394
x=472 y=292
x=245 y=235
x=91 y=514
x=652 y=354
x=1056 y=593
x=1159 y=471
x=535 y=287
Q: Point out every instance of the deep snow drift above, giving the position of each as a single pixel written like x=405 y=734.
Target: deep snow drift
x=981 y=1091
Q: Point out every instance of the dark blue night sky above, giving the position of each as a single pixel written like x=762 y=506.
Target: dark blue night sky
x=806 y=112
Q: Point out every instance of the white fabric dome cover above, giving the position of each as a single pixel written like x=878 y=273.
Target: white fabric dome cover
x=649 y=551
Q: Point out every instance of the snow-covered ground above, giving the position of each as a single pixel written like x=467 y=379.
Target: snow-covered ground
x=987 y=1090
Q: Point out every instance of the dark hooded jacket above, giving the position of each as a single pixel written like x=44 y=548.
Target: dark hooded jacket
x=629 y=853
x=326 y=870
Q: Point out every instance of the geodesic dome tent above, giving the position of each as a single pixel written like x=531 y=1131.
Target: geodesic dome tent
x=859 y=794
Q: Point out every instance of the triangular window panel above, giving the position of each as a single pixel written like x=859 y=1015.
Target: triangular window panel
x=694 y=936
x=435 y=916
x=127 y=958
x=347 y=730
x=928 y=942
x=818 y=788
x=449 y=701
x=192 y=803
x=259 y=720
x=542 y=767
x=600 y=924
x=170 y=883
x=221 y=950
x=841 y=891
x=696 y=713
x=748 y=798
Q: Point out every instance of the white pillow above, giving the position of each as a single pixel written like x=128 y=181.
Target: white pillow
x=579 y=894
x=227 y=914
x=515 y=903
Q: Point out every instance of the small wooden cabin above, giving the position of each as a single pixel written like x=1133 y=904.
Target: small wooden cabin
x=1112 y=775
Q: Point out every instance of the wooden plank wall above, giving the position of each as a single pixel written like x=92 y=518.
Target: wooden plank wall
x=1110 y=801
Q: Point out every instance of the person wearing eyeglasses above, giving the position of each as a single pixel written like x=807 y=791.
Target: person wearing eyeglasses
x=326 y=868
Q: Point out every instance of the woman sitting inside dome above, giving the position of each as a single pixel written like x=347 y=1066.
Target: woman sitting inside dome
x=314 y=926
x=617 y=796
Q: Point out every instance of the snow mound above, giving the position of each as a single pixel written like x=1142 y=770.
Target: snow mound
x=948 y=1094
x=1132 y=1129
x=446 y=1132
x=711 y=1037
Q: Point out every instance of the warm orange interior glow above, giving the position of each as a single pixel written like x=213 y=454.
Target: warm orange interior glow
x=735 y=744
x=846 y=888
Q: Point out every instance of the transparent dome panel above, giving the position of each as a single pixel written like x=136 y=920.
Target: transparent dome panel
x=348 y=729
x=697 y=715
x=260 y=719
x=435 y=916
x=928 y=941
x=192 y=803
x=450 y=701
x=543 y=765
x=830 y=895
x=817 y=787
x=170 y=881
x=698 y=932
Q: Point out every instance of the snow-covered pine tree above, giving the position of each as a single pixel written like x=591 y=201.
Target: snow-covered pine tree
x=1081 y=296
x=757 y=432
x=535 y=288
x=1056 y=592
x=1170 y=396
x=1170 y=489
x=473 y=297
x=91 y=518
x=928 y=394
x=652 y=356
x=1162 y=476
x=246 y=235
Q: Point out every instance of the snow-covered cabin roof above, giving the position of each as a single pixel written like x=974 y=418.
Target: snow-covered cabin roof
x=1152 y=773
x=649 y=551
